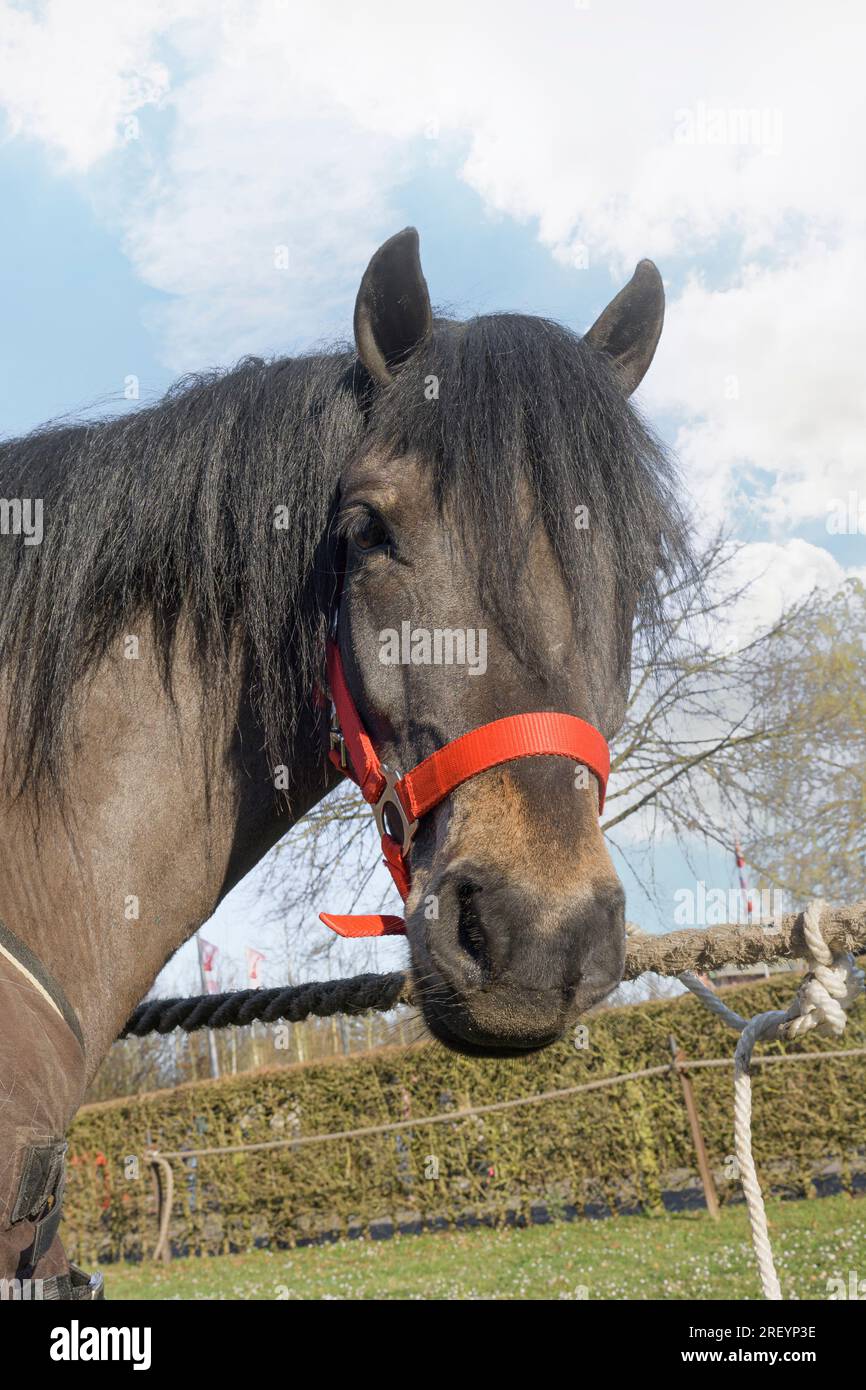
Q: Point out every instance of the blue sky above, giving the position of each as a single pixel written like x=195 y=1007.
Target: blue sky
x=151 y=161
x=74 y=309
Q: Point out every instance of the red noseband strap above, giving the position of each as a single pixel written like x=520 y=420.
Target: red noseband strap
x=399 y=803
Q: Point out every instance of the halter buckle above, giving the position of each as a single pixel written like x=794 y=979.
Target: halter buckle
x=338 y=745
x=391 y=797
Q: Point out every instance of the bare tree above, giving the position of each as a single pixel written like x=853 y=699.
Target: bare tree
x=763 y=738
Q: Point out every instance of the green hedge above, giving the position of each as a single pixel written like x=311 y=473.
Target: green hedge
x=613 y=1148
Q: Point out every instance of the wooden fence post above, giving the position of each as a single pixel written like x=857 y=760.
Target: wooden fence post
x=710 y=1194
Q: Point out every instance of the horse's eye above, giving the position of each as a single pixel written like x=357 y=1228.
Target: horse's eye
x=371 y=534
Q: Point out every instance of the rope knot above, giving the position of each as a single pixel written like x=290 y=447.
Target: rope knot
x=828 y=990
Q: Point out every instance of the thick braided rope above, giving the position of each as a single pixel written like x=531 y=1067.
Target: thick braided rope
x=294 y=1003
x=827 y=991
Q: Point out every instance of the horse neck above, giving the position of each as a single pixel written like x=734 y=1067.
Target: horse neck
x=156 y=825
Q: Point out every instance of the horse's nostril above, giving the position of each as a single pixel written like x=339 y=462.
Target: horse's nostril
x=470 y=932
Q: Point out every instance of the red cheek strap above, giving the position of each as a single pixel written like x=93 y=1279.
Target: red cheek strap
x=399 y=803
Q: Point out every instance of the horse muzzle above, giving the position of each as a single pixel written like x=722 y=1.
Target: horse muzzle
x=499 y=971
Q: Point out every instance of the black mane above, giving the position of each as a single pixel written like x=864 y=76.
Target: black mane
x=170 y=510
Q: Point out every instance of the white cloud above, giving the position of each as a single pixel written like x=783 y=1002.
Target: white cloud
x=572 y=115
x=775 y=576
x=70 y=75
x=768 y=375
x=263 y=220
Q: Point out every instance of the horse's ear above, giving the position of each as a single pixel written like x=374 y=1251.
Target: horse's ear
x=392 y=311
x=630 y=327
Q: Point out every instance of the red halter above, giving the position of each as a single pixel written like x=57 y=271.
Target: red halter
x=399 y=802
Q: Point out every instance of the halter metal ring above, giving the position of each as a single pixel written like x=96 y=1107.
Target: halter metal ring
x=391 y=797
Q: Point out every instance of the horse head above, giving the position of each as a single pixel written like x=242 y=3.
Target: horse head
x=497 y=528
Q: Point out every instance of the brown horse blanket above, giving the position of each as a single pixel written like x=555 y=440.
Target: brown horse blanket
x=41 y=1086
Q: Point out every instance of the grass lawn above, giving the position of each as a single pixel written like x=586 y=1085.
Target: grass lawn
x=667 y=1257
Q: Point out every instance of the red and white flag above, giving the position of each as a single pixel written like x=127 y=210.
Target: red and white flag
x=207 y=954
x=254 y=960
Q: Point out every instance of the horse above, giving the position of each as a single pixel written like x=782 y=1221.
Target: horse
x=163 y=653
